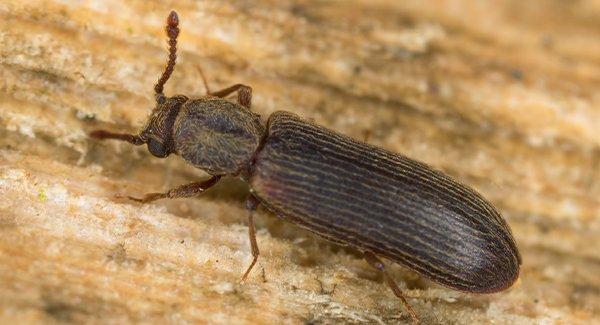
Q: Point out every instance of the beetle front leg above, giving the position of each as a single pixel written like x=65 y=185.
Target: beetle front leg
x=251 y=204
x=376 y=263
x=187 y=190
x=244 y=94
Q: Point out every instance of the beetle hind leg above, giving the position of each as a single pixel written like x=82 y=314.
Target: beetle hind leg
x=376 y=263
x=251 y=204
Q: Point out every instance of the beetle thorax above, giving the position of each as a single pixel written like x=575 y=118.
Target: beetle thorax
x=216 y=135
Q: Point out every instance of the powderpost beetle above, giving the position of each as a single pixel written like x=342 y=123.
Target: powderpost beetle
x=349 y=192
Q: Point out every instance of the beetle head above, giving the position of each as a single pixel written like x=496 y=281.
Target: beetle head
x=158 y=132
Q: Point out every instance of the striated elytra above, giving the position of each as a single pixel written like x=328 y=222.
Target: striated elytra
x=376 y=200
x=349 y=192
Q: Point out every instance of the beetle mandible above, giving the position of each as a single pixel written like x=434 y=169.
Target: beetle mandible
x=349 y=192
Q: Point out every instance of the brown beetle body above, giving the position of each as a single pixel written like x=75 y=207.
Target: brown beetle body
x=346 y=191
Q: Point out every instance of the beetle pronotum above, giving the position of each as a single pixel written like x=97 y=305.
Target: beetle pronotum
x=349 y=192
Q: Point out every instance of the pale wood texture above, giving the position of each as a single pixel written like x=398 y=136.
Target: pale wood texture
x=503 y=95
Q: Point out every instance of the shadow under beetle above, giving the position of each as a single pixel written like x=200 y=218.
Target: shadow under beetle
x=349 y=192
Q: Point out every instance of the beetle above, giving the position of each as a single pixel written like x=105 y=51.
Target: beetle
x=349 y=192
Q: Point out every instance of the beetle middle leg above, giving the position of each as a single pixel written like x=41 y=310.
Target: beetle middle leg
x=187 y=190
x=251 y=204
x=376 y=263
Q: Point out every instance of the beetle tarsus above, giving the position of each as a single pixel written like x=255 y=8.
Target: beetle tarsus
x=376 y=263
x=251 y=204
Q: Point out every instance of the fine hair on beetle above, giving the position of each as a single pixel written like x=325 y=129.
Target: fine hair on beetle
x=379 y=202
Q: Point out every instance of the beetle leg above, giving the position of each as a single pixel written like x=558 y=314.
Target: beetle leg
x=376 y=263
x=187 y=190
x=251 y=204
x=244 y=94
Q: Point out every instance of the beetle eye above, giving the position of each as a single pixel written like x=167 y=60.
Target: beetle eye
x=157 y=149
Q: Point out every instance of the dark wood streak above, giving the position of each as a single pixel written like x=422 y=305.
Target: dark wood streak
x=363 y=196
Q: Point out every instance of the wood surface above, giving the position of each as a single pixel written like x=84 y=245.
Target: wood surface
x=502 y=95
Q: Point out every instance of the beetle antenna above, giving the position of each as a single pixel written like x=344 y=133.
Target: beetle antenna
x=131 y=138
x=172 y=30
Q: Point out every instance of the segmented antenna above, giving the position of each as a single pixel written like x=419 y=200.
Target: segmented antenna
x=172 y=30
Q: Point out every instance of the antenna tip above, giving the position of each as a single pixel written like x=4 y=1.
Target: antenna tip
x=173 y=19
